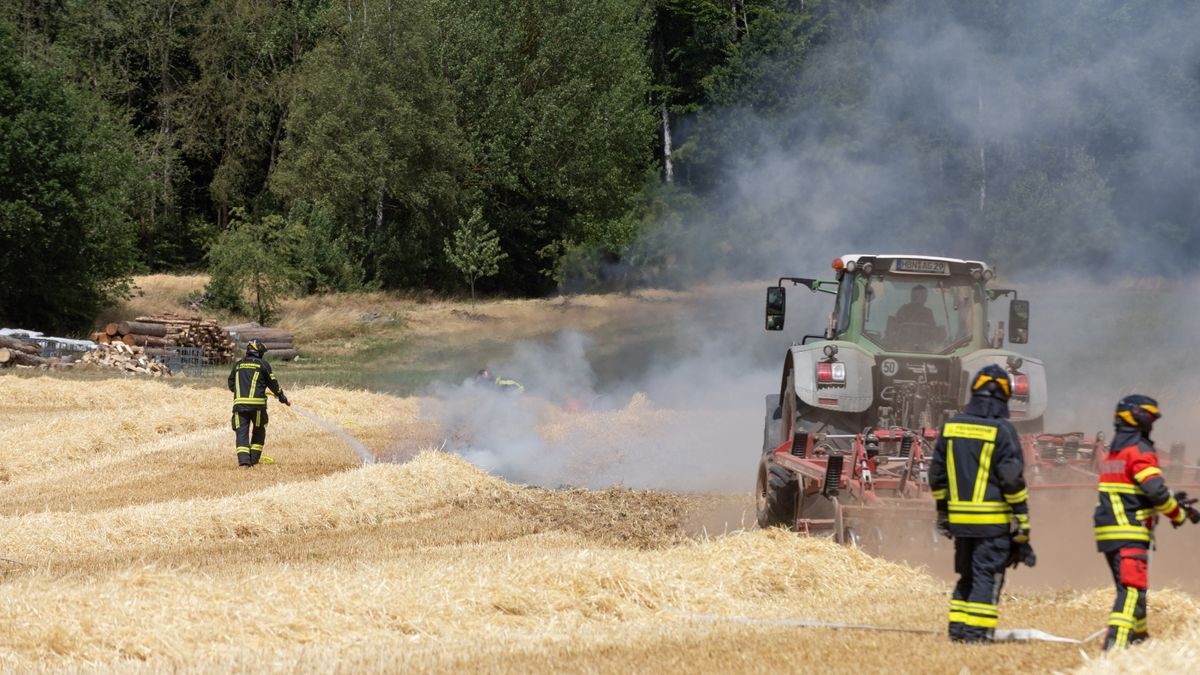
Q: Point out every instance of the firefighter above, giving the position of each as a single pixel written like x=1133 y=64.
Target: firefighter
x=977 y=478
x=503 y=384
x=249 y=380
x=1132 y=494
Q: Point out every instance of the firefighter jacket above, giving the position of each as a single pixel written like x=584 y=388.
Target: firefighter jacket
x=505 y=384
x=1132 y=493
x=977 y=471
x=249 y=380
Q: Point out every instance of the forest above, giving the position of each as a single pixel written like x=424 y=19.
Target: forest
x=526 y=148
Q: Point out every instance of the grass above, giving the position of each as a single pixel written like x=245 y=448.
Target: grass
x=402 y=342
x=133 y=543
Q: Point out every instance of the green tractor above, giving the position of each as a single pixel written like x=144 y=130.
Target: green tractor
x=846 y=439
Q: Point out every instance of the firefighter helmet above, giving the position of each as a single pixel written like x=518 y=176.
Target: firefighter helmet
x=1137 y=411
x=256 y=348
x=992 y=381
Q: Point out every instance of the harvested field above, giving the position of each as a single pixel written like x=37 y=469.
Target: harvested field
x=133 y=543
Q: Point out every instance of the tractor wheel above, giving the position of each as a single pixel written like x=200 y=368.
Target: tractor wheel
x=775 y=496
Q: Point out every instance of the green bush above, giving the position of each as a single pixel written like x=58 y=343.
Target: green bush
x=259 y=261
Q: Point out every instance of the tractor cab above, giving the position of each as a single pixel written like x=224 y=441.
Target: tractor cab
x=913 y=304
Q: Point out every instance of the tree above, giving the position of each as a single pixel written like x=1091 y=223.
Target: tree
x=66 y=174
x=476 y=250
x=552 y=97
x=371 y=133
x=250 y=261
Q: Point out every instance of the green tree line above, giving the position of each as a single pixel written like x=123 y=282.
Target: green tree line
x=295 y=146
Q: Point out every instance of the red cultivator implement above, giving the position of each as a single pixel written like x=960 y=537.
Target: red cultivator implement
x=858 y=488
x=871 y=488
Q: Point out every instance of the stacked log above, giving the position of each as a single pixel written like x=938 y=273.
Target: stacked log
x=158 y=333
x=21 y=354
x=280 y=343
x=132 y=360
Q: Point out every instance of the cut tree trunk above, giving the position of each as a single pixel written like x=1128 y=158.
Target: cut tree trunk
x=20 y=346
x=142 y=328
x=266 y=334
x=12 y=357
x=144 y=341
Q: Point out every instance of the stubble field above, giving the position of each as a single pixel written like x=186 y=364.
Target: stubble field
x=132 y=542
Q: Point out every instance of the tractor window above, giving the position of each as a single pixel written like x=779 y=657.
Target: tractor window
x=847 y=294
x=913 y=314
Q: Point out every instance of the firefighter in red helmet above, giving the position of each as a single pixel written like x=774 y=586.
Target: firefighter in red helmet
x=1132 y=496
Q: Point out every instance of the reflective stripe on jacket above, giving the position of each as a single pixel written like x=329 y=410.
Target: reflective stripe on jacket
x=977 y=476
x=249 y=380
x=1131 y=493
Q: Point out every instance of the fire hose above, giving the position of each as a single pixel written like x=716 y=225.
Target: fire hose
x=1001 y=634
x=364 y=455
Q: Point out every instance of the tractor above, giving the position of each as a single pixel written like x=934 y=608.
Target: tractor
x=847 y=439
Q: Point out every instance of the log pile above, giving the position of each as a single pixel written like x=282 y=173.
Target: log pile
x=14 y=352
x=21 y=354
x=280 y=343
x=133 y=360
x=159 y=333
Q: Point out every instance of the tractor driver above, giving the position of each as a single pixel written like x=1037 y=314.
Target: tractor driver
x=913 y=326
x=916 y=311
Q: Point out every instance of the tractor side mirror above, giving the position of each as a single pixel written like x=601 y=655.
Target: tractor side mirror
x=776 y=303
x=1018 y=322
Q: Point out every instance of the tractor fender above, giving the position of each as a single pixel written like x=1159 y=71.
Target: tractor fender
x=855 y=396
x=1033 y=369
x=773 y=428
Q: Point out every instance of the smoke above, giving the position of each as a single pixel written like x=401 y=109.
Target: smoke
x=1025 y=133
x=1058 y=140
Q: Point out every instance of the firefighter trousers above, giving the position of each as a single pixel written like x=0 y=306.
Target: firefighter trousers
x=974 y=606
x=250 y=430
x=1127 y=622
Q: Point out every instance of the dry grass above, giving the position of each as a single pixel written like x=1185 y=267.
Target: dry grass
x=140 y=547
x=335 y=317
x=156 y=293
x=1178 y=654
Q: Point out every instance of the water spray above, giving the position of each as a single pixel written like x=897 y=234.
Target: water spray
x=365 y=455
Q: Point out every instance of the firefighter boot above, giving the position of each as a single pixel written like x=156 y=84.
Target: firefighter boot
x=255 y=454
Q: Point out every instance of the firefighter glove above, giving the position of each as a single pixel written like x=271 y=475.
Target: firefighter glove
x=1021 y=554
x=943 y=524
x=1021 y=535
x=1027 y=556
x=1188 y=506
x=284 y=399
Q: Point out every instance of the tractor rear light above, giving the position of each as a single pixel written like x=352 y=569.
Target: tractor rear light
x=831 y=372
x=1021 y=384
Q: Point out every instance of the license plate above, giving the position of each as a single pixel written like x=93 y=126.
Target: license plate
x=912 y=266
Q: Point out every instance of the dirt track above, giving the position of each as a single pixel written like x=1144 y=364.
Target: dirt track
x=139 y=546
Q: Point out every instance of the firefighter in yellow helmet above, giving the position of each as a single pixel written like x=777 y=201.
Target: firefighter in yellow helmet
x=249 y=380
x=1132 y=496
x=977 y=478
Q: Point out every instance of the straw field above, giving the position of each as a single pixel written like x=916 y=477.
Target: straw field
x=131 y=542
